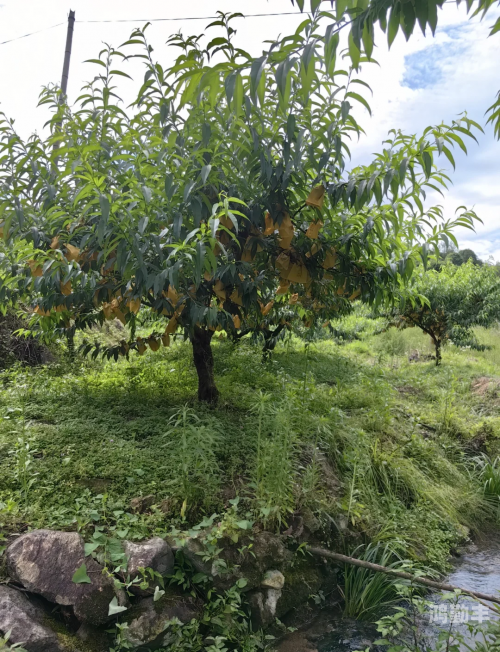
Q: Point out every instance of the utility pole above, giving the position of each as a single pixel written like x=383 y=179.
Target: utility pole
x=65 y=75
x=67 y=54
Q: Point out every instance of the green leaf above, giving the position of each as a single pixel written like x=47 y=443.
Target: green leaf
x=238 y=94
x=256 y=71
x=432 y=17
x=340 y=7
x=495 y=28
x=354 y=51
x=205 y=171
x=360 y=99
x=344 y=110
x=368 y=38
x=402 y=169
x=229 y=86
x=427 y=163
x=198 y=578
x=80 y=575
x=114 y=608
x=90 y=548
x=143 y=223
x=409 y=17
x=290 y=128
x=394 y=23
x=169 y=186
x=449 y=156
x=104 y=203
x=97 y=61
x=157 y=594
x=331 y=44
x=421 y=11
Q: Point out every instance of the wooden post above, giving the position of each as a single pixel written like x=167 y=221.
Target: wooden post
x=67 y=54
x=64 y=78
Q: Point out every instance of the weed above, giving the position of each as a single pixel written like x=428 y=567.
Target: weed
x=5 y=646
x=366 y=594
x=191 y=449
x=276 y=459
x=392 y=343
x=489 y=475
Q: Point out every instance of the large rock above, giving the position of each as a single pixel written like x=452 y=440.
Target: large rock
x=148 y=622
x=93 y=639
x=155 y=554
x=264 y=551
x=44 y=562
x=279 y=593
x=25 y=621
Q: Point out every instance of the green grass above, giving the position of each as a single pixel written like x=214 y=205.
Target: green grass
x=351 y=433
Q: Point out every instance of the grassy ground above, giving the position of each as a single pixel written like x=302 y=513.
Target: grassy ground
x=353 y=436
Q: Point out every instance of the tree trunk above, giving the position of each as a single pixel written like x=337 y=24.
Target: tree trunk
x=270 y=341
x=437 y=344
x=70 y=341
x=204 y=363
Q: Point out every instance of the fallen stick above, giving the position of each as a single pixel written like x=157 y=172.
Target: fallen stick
x=336 y=556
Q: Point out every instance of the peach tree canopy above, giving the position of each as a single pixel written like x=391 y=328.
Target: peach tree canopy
x=219 y=198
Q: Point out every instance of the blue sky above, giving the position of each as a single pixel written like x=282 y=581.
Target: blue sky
x=425 y=81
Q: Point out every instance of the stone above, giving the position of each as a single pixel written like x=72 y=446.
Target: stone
x=263 y=605
x=167 y=505
x=270 y=551
x=148 y=621
x=155 y=554
x=266 y=551
x=194 y=550
x=303 y=579
x=142 y=503
x=273 y=579
x=44 y=561
x=94 y=638
x=25 y=621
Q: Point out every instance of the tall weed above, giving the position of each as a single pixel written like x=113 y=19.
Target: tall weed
x=276 y=458
x=489 y=476
x=191 y=455
x=368 y=594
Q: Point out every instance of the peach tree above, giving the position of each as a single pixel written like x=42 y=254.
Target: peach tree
x=448 y=304
x=219 y=199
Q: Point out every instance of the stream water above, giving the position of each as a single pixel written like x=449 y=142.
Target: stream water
x=478 y=569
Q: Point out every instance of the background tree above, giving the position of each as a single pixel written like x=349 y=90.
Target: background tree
x=449 y=303
x=449 y=253
x=219 y=197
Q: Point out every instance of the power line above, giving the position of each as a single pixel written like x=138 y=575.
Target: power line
x=31 y=33
x=157 y=20
x=150 y=20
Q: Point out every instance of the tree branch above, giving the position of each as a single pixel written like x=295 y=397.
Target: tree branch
x=344 y=559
